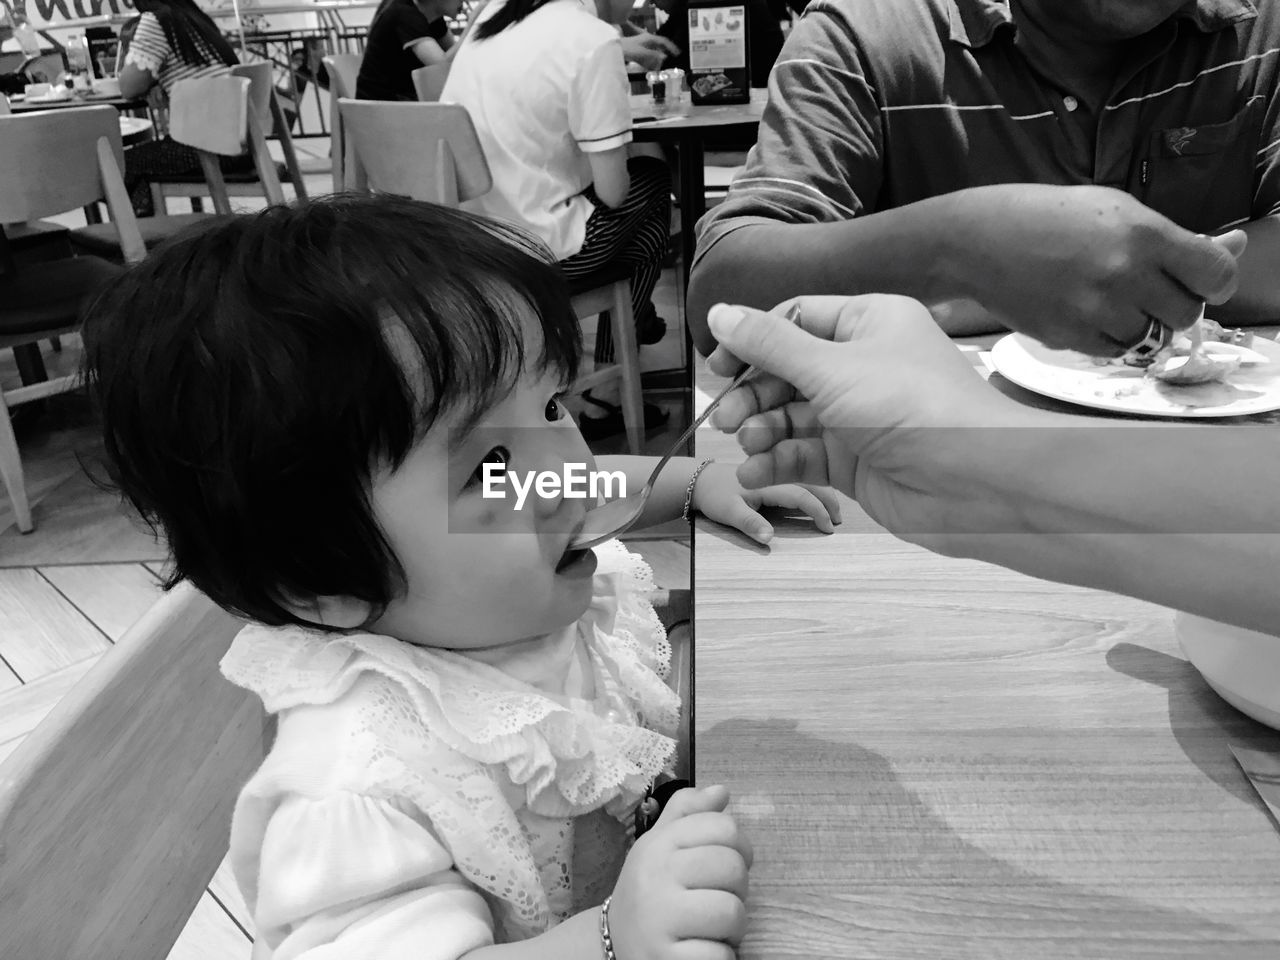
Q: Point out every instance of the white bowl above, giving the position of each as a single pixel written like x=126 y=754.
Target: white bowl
x=1242 y=666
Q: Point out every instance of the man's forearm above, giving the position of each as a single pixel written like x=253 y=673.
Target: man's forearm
x=1258 y=298
x=912 y=250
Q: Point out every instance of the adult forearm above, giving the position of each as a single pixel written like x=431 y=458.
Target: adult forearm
x=1258 y=298
x=912 y=250
x=1182 y=516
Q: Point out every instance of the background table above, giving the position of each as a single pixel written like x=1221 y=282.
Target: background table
x=686 y=133
x=941 y=759
x=120 y=103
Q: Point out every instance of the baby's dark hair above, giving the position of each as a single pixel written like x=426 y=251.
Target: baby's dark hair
x=256 y=371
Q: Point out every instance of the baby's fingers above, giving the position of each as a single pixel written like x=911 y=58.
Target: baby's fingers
x=712 y=868
x=741 y=515
x=796 y=497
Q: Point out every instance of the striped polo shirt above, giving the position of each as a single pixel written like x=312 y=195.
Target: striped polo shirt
x=150 y=50
x=874 y=104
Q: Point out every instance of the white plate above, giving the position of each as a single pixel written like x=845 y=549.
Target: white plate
x=1073 y=377
x=1242 y=666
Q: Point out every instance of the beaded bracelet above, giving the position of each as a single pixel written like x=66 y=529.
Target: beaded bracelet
x=688 y=493
x=606 y=940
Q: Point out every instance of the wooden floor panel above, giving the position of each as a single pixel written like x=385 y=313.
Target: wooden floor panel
x=40 y=631
x=112 y=595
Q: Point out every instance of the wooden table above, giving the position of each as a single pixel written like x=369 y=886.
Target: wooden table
x=941 y=759
x=120 y=103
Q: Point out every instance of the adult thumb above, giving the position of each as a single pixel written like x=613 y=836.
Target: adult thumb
x=769 y=342
x=1233 y=242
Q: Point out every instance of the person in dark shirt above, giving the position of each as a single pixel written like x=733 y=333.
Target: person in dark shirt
x=404 y=35
x=764 y=36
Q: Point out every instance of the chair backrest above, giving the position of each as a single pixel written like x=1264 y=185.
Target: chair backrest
x=65 y=159
x=211 y=114
x=343 y=70
x=50 y=160
x=4 y=105
x=428 y=81
x=115 y=811
x=270 y=115
x=427 y=151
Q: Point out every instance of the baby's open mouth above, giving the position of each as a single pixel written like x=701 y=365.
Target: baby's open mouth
x=569 y=558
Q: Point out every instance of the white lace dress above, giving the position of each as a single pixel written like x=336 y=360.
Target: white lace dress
x=420 y=803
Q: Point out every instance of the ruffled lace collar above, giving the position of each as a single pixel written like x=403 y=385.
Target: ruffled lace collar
x=568 y=755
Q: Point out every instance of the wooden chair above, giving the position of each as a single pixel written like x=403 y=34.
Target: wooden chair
x=266 y=111
x=211 y=115
x=343 y=70
x=115 y=811
x=53 y=161
x=430 y=151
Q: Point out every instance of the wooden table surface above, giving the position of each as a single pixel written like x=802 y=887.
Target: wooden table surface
x=941 y=759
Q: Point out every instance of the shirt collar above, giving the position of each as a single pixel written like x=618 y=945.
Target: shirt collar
x=974 y=22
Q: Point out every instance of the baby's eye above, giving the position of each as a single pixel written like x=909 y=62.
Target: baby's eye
x=498 y=455
x=555 y=410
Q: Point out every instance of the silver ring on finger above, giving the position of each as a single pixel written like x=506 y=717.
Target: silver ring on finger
x=1154 y=339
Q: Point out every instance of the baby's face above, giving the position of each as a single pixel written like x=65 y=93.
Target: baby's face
x=480 y=571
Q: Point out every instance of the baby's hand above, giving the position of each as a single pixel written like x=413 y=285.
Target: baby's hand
x=684 y=880
x=718 y=496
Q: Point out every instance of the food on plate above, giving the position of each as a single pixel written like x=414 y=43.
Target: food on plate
x=1186 y=361
x=705 y=85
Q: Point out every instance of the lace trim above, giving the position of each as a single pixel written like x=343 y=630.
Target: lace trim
x=143 y=61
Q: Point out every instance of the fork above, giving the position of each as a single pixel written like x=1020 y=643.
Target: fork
x=618 y=516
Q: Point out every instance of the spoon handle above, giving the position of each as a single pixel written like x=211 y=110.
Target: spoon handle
x=793 y=315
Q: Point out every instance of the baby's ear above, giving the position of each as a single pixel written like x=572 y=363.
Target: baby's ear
x=338 y=612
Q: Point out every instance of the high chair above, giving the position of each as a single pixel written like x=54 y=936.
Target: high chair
x=430 y=151
x=54 y=161
x=115 y=811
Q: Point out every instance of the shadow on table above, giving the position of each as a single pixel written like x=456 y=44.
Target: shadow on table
x=1201 y=721
x=901 y=882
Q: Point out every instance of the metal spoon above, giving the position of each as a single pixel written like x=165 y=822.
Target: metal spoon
x=617 y=516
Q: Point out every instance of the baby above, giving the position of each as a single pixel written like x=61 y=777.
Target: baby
x=317 y=406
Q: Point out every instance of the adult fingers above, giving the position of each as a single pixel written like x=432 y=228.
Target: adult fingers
x=790 y=461
x=1206 y=267
x=757 y=393
x=822 y=317
x=788 y=422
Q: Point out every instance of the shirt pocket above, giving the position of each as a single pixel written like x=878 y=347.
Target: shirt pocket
x=1202 y=177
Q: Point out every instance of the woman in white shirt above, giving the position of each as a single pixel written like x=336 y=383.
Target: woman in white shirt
x=545 y=83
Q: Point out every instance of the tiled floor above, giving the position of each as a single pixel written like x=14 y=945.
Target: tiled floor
x=74 y=586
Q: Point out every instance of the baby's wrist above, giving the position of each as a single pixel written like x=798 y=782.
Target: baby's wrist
x=606 y=937
x=685 y=514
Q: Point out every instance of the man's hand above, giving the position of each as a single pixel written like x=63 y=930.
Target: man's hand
x=1085 y=268
x=647 y=50
x=683 y=888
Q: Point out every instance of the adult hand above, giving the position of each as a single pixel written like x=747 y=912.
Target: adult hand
x=865 y=394
x=683 y=888
x=1085 y=267
x=648 y=50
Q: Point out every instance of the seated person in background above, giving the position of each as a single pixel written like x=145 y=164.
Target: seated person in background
x=1039 y=165
x=764 y=36
x=173 y=40
x=545 y=84
x=404 y=35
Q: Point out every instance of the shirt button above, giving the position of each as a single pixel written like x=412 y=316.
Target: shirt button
x=1070 y=103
